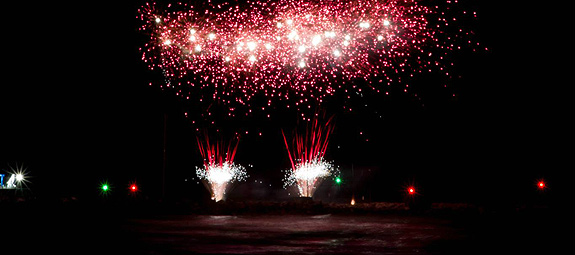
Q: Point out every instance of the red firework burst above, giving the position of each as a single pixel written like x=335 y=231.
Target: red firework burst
x=307 y=156
x=300 y=52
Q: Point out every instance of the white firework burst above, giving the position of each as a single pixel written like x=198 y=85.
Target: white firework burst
x=219 y=176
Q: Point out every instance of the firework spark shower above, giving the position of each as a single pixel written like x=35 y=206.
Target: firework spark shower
x=219 y=168
x=306 y=156
x=299 y=52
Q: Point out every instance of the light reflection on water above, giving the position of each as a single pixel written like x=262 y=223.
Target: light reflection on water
x=323 y=234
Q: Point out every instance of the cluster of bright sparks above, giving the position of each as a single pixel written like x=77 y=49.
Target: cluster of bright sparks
x=299 y=52
x=307 y=175
x=306 y=153
x=219 y=170
x=218 y=176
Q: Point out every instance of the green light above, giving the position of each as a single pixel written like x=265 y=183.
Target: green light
x=337 y=180
x=105 y=188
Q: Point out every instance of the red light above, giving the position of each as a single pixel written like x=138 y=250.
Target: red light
x=411 y=190
x=541 y=185
x=133 y=188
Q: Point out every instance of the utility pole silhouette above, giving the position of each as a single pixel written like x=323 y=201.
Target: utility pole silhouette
x=164 y=157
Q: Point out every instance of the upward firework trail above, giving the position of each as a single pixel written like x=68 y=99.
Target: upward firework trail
x=307 y=157
x=219 y=168
x=300 y=52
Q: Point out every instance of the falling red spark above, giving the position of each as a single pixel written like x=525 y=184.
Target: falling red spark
x=311 y=145
x=217 y=153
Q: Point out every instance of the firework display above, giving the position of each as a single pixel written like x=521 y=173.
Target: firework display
x=219 y=169
x=298 y=52
x=307 y=153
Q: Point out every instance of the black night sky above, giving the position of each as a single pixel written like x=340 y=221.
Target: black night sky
x=76 y=109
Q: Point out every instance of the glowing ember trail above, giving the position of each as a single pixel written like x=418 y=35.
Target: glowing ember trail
x=309 y=167
x=219 y=169
x=299 y=52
